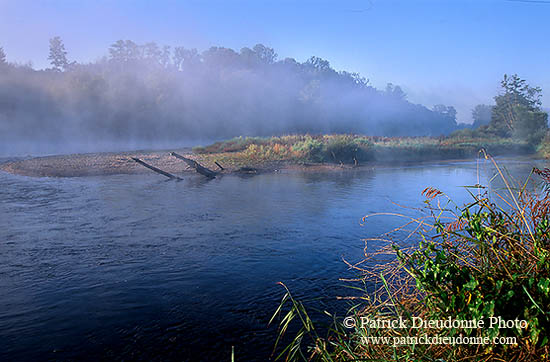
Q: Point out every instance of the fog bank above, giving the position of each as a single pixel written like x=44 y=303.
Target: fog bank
x=152 y=96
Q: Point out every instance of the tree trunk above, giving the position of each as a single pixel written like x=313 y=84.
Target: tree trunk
x=197 y=166
x=157 y=170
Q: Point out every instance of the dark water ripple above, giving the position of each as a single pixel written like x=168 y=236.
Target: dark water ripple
x=137 y=268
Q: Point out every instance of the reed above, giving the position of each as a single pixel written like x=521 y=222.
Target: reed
x=487 y=259
x=352 y=149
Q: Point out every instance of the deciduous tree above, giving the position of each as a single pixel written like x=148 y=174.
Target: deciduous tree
x=517 y=111
x=2 y=56
x=481 y=115
x=58 y=54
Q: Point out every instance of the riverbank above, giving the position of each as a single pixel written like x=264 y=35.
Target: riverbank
x=298 y=152
x=91 y=164
x=113 y=163
x=484 y=261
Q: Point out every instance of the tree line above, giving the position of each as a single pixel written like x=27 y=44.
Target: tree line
x=148 y=91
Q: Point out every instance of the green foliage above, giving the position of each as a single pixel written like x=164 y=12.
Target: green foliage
x=346 y=149
x=499 y=280
x=543 y=148
x=517 y=111
x=58 y=55
x=328 y=148
x=448 y=112
x=354 y=149
x=531 y=125
x=233 y=145
x=310 y=148
x=486 y=262
x=490 y=263
x=481 y=115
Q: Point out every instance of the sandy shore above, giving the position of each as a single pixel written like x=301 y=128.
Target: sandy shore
x=116 y=163
x=94 y=164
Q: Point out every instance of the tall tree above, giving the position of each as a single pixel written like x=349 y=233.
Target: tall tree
x=516 y=101
x=2 y=56
x=151 y=52
x=178 y=57
x=165 y=56
x=185 y=58
x=265 y=54
x=220 y=57
x=58 y=54
x=124 y=51
x=318 y=64
x=448 y=112
x=531 y=126
x=395 y=91
x=481 y=115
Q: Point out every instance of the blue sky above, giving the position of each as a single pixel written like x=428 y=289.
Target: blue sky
x=439 y=51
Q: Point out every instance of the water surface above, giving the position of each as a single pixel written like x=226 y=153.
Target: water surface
x=136 y=267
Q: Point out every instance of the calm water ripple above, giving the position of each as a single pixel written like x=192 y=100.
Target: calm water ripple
x=140 y=268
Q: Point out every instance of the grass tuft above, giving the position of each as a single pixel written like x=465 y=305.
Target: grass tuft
x=487 y=259
x=354 y=149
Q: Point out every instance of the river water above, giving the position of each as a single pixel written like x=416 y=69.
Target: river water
x=140 y=268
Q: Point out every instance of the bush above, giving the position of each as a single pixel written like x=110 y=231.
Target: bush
x=236 y=144
x=494 y=264
x=475 y=262
x=310 y=149
x=346 y=148
x=356 y=149
x=531 y=126
x=543 y=148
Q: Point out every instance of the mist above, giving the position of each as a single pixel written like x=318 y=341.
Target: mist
x=152 y=96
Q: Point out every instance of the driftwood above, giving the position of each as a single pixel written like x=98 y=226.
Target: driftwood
x=247 y=170
x=220 y=166
x=197 y=166
x=157 y=170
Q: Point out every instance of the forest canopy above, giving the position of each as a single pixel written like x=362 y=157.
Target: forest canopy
x=153 y=92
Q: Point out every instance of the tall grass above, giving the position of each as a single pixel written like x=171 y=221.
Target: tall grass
x=353 y=149
x=487 y=259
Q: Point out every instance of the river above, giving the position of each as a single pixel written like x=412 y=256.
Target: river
x=140 y=268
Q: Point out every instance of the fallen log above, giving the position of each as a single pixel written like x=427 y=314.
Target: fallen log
x=220 y=166
x=197 y=166
x=157 y=170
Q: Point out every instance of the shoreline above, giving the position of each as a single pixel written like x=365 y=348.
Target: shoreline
x=120 y=163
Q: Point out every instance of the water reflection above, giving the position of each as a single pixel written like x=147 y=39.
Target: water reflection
x=142 y=268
